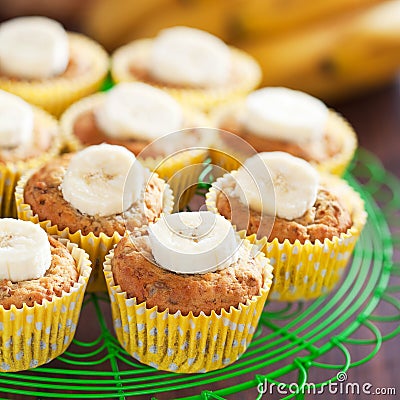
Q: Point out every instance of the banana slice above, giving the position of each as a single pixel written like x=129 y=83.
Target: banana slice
x=139 y=111
x=285 y=114
x=277 y=181
x=25 y=251
x=16 y=121
x=188 y=56
x=103 y=180
x=193 y=242
x=33 y=48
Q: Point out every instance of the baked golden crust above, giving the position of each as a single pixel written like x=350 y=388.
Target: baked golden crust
x=42 y=192
x=59 y=278
x=140 y=277
x=316 y=152
x=325 y=220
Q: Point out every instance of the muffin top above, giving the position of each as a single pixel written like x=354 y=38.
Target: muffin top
x=175 y=271
x=33 y=48
x=25 y=131
x=131 y=114
x=100 y=189
x=41 y=267
x=281 y=119
x=38 y=49
x=326 y=219
x=276 y=195
x=184 y=58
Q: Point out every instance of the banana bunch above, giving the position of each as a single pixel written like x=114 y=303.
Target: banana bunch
x=329 y=48
x=340 y=57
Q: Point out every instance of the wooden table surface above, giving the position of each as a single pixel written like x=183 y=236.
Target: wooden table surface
x=376 y=118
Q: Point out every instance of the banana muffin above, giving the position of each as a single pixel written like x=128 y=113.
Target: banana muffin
x=277 y=195
x=27 y=132
x=131 y=114
x=136 y=271
x=42 y=284
x=28 y=136
x=305 y=222
x=45 y=195
x=194 y=66
x=60 y=277
x=326 y=219
x=186 y=292
x=281 y=119
x=48 y=66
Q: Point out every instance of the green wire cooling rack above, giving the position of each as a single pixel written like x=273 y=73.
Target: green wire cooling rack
x=292 y=340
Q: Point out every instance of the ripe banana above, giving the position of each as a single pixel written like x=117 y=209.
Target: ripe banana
x=103 y=180
x=16 y=121
x=138 y=111
x=285 y=114
x=33 y=48
x=111 y=22
x=25 y=251
x=273 y=17
x=277 y=181
x=188 y=56
x=193 y=243
x=335 y=58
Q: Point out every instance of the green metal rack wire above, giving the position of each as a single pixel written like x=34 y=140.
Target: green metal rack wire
x=291 y=338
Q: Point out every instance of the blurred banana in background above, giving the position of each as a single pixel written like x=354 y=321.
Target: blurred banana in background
x=336 y=58
x=329 y=48
x=274 y=17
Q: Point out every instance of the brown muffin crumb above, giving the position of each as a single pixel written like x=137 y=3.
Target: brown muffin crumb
x=139 y=276
x=61 y=276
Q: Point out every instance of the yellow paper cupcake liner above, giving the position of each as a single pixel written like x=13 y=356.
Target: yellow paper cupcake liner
x=96 y=246
x=248 y=76
x=181 y=171
x=345 y=133
x=10 y=172
x=309 y=270
x=70 y=115
x=56 y=94
x=32 y=336
x=183 y=344
x=227 y=159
